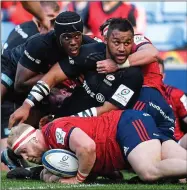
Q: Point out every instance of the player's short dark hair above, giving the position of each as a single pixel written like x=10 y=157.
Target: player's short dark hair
x=121 y=24
x=53 y=4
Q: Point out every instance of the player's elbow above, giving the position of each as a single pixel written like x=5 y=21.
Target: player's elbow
x=87 y=149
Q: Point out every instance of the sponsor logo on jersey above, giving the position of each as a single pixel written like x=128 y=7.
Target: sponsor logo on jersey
x=87 y=88
x=31 y=58
x=71 y=61
x=138 y=39
x=146 y=114
x=107 y=82
x=172 y=129
x=157 y=135
x=110 y=77
x=60 y=136
x=38 y=61
x=161 y=112
x=125 y=150
x=123 y=94
x=100 y=98
x=21 y=32
x=125 y=91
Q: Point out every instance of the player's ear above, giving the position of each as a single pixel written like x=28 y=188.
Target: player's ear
x=105 y=39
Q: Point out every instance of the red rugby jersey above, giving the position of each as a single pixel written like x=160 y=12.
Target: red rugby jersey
x=151 y=72
x=178 y=101
x=101 y=129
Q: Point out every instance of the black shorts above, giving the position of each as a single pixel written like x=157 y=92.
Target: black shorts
x=8 y=72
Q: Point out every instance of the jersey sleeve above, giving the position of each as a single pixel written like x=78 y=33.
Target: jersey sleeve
x=126 y=88
x=180 y=100
x=86 y=60
x=139 y=40
x=34 y=55
x=58 y=135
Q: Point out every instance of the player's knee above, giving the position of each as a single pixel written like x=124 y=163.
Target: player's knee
x=149 y=174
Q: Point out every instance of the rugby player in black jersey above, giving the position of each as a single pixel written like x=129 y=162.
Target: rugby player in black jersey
x=34 y=58
x=23 y=31
x=99 y=92
x=18 y=36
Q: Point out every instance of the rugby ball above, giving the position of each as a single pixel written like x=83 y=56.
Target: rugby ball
x=60 y=162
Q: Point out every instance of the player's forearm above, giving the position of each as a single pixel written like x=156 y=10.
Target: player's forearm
x=27 y=85
x=143 y=57
x=34 y=8
x=86 y=157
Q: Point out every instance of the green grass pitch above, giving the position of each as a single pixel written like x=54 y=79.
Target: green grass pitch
x=101 y=184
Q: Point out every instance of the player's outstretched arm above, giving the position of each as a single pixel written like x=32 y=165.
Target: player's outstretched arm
x=37 y=93
x=85 y=150
x=36 y=10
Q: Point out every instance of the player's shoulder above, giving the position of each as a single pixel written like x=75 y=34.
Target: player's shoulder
x=41 y=40
x=92 y=49
x=95 y=46
x=139 y=39
x=174 y=91
x=29 y=24
x=87 y=39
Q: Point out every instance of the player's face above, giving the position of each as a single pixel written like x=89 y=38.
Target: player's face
x=31 y=151
x=71 y=42
x=119 y=45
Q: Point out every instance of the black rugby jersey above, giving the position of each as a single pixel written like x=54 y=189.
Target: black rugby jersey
x=20 y=34
x=39 y=52
x=120 y=88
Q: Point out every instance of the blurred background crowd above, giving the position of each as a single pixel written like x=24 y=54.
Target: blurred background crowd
x=164 y=23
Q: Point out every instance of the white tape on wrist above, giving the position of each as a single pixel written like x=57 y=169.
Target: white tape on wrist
x=124 y=65
x=29 y=102
x=37 y=93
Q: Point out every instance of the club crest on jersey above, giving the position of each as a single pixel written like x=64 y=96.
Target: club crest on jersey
x=138 y=39
x=71 y=61
x=110 y=77
x=100 y=98
x=60 y=136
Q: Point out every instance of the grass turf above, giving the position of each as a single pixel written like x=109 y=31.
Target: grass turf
x=101 y=184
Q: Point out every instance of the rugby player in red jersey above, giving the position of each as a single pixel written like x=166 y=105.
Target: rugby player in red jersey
x=103 y=145
x=178 y=102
